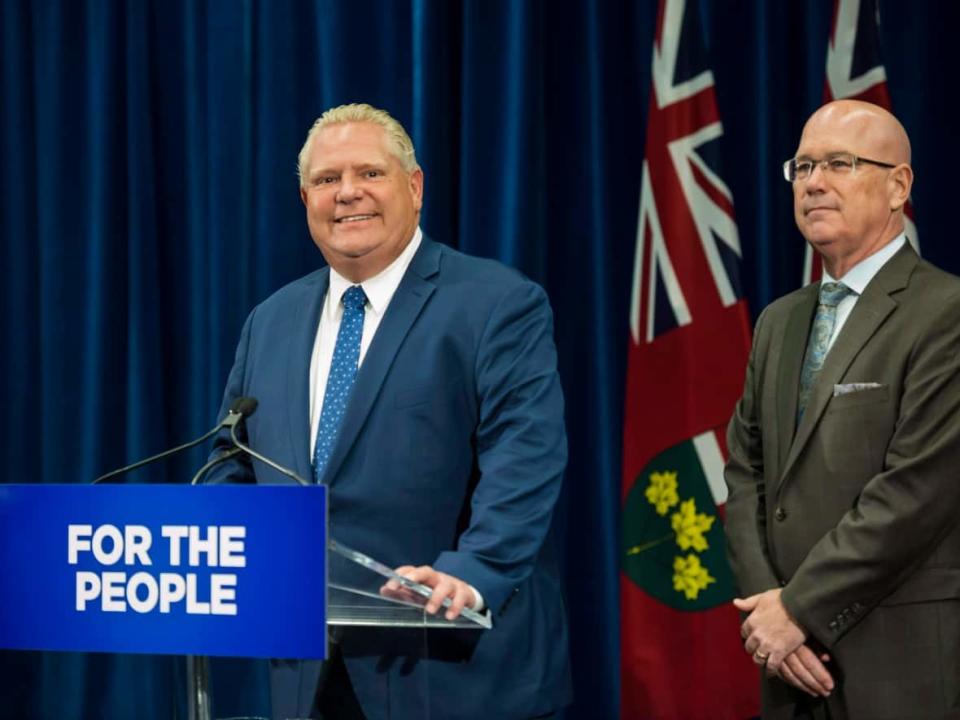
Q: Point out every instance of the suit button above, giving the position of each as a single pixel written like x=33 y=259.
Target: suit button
x=780 y=514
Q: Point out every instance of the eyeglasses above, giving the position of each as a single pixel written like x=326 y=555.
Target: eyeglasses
x=836 y=164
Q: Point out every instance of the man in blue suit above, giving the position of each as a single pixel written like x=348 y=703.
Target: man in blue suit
x=420 y=385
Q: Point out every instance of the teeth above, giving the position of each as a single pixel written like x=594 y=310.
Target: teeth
x=354 y=218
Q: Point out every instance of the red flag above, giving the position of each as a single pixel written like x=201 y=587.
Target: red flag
x=682 y=657
x=855 y=70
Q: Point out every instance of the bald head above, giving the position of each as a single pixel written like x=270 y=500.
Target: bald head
x=880 y=135
x=849 y=207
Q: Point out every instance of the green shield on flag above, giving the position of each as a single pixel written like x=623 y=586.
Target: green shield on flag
x=673 y=545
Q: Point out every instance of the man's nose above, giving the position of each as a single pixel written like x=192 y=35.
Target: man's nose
x=349 y=190
x=818 y=177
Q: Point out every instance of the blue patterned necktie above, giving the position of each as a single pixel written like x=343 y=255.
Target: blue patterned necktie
x=343 y=370
x=831 y=294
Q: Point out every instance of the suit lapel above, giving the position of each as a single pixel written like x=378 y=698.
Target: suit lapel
x=870 y=312
x=412 y=294
x=792 y=350
x=305 y=322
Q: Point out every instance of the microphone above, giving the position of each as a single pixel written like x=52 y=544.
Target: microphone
x=244 y=407
x=249 y=405
x=241 y=407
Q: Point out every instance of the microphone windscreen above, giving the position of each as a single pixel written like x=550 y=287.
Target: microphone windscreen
x=244 y=406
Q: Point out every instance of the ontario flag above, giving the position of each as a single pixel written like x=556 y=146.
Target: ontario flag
x=855 y=70
x=682 y=657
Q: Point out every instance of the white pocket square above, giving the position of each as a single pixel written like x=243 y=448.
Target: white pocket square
x=847 y=388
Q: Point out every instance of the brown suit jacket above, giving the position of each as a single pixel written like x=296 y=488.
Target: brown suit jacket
x=856 y=512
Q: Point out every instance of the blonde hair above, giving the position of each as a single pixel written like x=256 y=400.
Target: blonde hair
x=398 y=142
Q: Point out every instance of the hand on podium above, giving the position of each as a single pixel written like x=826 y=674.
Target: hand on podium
x=460 y=593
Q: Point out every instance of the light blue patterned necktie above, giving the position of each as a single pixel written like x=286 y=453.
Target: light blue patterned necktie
x=831 y=293
x=343 y=370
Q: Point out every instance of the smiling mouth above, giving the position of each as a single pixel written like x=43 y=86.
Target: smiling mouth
x=354 y=218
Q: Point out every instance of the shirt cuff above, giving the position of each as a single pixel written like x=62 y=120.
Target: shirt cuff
x=478 y=605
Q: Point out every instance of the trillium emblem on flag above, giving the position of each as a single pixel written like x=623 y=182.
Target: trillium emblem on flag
x=673 y=543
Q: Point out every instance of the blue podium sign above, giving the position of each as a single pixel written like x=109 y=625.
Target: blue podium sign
x=208 y=570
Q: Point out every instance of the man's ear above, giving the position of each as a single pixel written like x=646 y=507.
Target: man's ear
x=899 y=183
x=416 y=188
x=303 y=194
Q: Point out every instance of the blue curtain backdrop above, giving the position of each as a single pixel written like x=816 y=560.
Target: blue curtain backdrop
x=148 y=200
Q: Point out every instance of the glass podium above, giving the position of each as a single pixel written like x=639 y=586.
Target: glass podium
x=366 y=617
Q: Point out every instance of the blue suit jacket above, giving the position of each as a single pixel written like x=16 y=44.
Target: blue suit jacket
x=450 y=454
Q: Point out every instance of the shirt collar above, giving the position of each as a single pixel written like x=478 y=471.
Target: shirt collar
x=380 y=288
x=860 y=275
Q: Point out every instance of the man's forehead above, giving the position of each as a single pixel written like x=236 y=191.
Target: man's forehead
x=356 y=143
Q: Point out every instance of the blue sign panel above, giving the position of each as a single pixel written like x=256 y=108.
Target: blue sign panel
x=208 y=570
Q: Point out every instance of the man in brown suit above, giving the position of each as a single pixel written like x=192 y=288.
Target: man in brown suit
x=843 y=519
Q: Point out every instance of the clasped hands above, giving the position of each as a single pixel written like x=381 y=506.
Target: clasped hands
x=777 y=642
x=444 y=586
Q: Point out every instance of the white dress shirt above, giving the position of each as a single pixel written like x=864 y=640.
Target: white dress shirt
x=857 y=279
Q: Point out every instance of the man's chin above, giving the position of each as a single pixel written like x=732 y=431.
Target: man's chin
x=338 y=253
x=351 y=245
x=820 y=242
